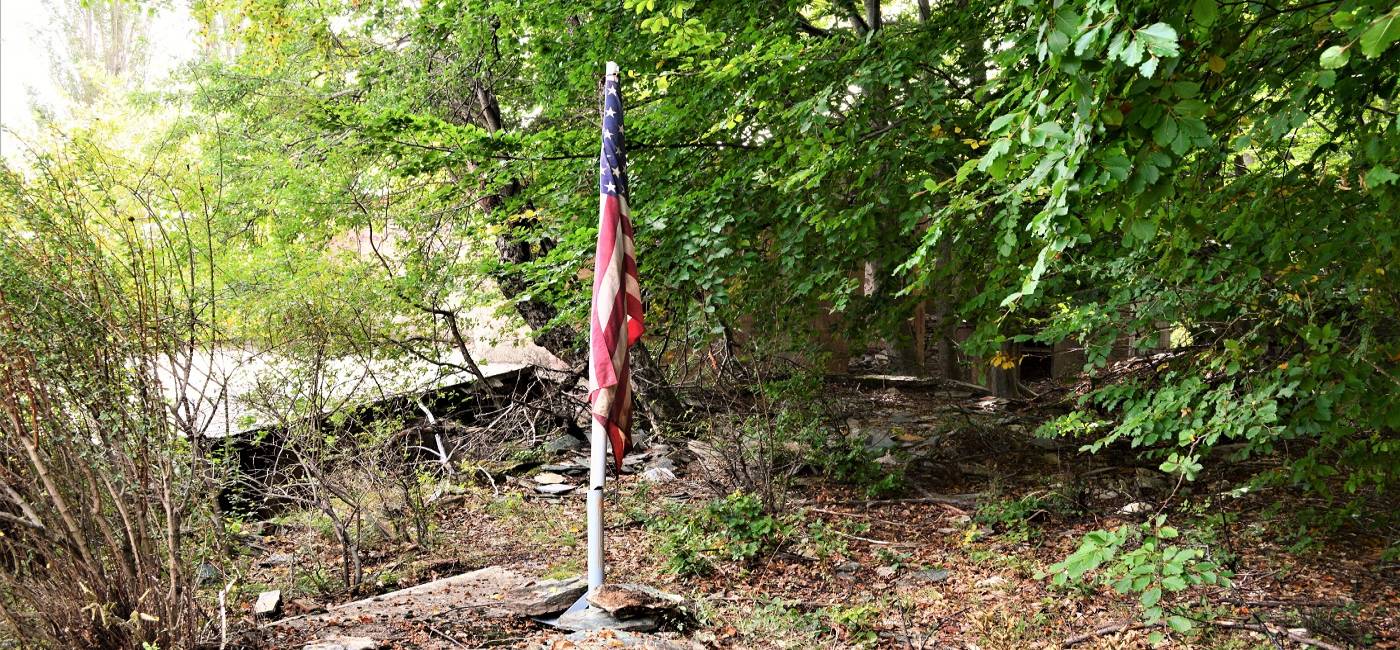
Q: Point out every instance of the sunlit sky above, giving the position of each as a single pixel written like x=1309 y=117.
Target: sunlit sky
x=26 y=28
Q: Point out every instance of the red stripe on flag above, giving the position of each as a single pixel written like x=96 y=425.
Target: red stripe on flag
x=616 y=303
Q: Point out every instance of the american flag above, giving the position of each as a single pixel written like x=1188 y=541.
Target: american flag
x=617 y=295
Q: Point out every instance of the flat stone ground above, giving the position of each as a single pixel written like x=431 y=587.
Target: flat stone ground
x=906 y=572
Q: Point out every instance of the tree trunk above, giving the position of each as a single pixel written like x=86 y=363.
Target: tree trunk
x=1005 y=377
x=562 y=341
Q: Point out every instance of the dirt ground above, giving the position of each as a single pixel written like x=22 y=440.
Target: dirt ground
x=907 y=570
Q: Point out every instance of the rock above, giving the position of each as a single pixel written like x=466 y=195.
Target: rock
x=592 y=618
x=562 y=443
x=338 y=642
x=935 y=575
x=991 y=583
x=625 y=600
x=268 y=605
x=564 y=469
x=276 y=559
x=886 y=571
x=545 y=597
x=662 y=462
x=556 y=488
x=206 y=573
x=711 y=460
x=549 y=478
x=658 y=475
x=1149 y=480
x=1136 y=508
x=848 y=567
x=879 y=440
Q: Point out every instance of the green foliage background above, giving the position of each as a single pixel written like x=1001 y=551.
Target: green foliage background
x=1082 y=171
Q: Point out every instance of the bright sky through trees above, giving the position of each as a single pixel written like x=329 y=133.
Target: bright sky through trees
x=29 y=42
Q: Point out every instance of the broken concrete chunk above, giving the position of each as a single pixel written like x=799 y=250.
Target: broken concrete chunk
x=545 y=597
x=276 y=559
x=658 y=475
x=268 y=605
x=338 y=642
x=663 y=462
x=592 y=618
x=549 y=478
x=625 y=600
x=556 y=488
x=1136 y=508
x=934 y=575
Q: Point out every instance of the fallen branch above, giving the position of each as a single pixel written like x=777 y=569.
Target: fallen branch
x=866 y=539
x=1107 y=630
x=959 y=501
x=1273 y=629
x=1126 y=626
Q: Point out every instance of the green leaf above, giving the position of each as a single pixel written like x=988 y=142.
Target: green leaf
x=1143 y=230
x=1380 y=175
x=1165 y=132
x=1132 y=54
x=1002 y=121
x=1179 y=624
x=1190 y=108
x=1174 y=583
x=1334 y=57
x=1205 y=12
x=1118 y=166
x=1159 y=38
x=1149 y=67
x=1381 y=34
x=1150 y=597
x=997 y=149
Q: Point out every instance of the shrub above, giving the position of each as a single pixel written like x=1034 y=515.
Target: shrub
x=848 y=460
x=736 y=528
x=1142 y=559
x=100 y=483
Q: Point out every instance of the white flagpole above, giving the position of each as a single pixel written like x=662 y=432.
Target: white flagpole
x=595 y=505
x=596 y=475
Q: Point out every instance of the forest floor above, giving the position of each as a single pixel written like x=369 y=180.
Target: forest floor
x=902 y=570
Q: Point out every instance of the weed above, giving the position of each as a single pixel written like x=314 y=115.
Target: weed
x=848 y=460
x=1013 y=517
x=854 y=624
x=735 y=528
x=566 y=569
x=1144 y=560
x=822 y=541
x=781 y=623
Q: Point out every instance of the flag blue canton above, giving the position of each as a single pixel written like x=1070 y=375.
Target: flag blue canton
x=612 y=172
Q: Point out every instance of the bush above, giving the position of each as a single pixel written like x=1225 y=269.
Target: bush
x=1143 y=560
x=101 y=483
x=736 y=528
